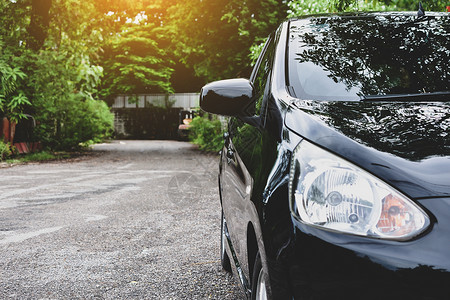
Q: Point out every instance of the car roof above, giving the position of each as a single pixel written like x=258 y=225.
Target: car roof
x=360 y=15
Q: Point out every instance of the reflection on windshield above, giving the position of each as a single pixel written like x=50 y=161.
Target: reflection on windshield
x=348 y=58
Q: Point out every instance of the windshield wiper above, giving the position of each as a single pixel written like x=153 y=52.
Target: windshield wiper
x=424 y=97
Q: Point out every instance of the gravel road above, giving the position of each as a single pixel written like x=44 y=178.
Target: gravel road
x=134 y=220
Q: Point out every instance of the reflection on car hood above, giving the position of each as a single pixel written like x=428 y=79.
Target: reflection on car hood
x=410 y=130
x=408 y=139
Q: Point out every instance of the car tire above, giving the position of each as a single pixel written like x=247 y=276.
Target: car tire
x=224 y=258
x=259 y=281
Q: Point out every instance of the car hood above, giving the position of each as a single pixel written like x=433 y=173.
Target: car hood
x=405 y=144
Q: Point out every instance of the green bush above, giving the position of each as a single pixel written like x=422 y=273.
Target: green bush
x=67 y=114
x=6 y=150
x=206 y=132
x=74 y=122
x=56 y=80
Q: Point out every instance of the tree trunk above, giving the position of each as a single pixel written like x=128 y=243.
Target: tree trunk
x=40 y=20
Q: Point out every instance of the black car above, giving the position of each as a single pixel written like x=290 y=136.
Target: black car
x=335 y=174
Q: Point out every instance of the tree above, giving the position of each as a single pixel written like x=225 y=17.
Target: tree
x=51 y=45
x=137 y=56
x=214 y=37
x=137 y=60
x=13 y=99
x=40 y=19
x=137 y=63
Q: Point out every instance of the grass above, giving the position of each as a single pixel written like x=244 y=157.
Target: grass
x=39 y=157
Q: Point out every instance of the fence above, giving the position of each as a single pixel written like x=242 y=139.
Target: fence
x=151 y=116
x=180 y=100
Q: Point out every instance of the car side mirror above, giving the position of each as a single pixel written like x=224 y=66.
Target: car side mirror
x=231 y=97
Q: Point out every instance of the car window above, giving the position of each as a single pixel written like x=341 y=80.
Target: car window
x=262 y=71
x=351 y=58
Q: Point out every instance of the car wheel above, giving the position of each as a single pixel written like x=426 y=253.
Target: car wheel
x=259 y=281
x=224 y=258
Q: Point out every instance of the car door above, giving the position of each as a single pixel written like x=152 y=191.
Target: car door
x=242 y=156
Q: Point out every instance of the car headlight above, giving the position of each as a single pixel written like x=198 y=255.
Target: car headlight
x=329 y=192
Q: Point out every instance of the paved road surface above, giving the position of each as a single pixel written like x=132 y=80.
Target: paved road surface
x=137 y=220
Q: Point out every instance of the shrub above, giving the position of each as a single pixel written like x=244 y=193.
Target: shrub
x=6 y=150
x=73 y=122
x=67 y=113
x=206 y=132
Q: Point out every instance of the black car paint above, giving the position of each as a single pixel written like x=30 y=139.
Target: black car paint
x=308 y=263
x=409 y=151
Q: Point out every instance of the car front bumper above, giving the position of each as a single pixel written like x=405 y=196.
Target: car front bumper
x=317 y=264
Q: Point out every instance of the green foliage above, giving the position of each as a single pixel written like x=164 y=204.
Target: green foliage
x=6 y=150
x=54 y=79
x=68 y=114
x=305 y=7
x=214 y=37
x=12 y=99
x=255 y=51
x=137 y=63
x=409 y=5
x=38 y=156
x=76 y=121
x=66 y=111
x=137 y=54
x=206 y=133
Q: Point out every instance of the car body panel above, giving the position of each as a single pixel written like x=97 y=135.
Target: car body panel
x=405 y=145
x=417 y=173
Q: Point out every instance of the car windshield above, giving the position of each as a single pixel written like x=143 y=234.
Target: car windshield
x=349 y=58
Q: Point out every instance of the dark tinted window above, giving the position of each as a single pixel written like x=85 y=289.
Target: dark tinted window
x=262 y=72
x=348 y=58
